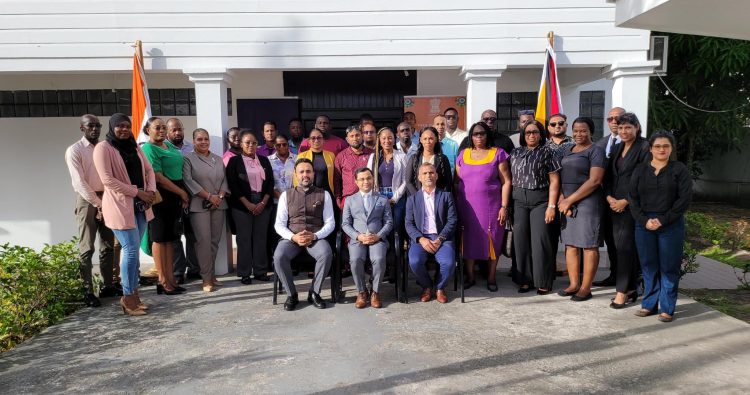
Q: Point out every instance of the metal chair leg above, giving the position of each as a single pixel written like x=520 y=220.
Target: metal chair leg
x=275 y=287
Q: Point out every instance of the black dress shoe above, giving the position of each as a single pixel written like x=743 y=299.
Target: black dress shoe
x=469 y=283
x=492 y=287
x=525 y=288
x=577 y=298
x=109 y=292
x=565 y=293
x=91 y=300
x=180 y=279
x=246 y=280
x=542 y=292
x=291 y=302
x=316 y=300
x=180 y=289
x=262 y=277
x=607 y=282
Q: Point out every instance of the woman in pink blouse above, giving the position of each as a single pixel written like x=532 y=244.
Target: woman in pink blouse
x=129 y=191
x=250 y=179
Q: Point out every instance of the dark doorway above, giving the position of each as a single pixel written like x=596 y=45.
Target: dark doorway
x=345 y=95
x=253 y=113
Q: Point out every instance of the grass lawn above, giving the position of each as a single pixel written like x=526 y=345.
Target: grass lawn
x=733 y=302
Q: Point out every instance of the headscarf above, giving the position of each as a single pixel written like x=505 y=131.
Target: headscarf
x=128 y=150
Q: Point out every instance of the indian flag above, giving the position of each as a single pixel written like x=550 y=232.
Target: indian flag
x=140 y=103
x=550 y=99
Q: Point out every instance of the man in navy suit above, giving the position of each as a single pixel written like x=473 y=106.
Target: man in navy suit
x=367 y=221
x=431 y=222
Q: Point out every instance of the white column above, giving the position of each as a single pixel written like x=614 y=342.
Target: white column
x=630 y=87
x=481 y=89
x=211 y=114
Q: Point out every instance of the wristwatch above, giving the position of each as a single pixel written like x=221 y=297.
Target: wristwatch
x=441 y=238
x=551 y=206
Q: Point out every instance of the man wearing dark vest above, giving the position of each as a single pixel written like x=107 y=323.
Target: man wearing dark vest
x=303 y=220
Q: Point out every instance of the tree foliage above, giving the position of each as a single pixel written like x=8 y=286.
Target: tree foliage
x=709 y=73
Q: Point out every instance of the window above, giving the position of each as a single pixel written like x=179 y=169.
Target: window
x=508 y=106
x=591 y=104
x=103 y=102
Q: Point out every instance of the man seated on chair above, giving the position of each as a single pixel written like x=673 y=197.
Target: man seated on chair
x=303 y=220
x=367 y=221
x=431 y=222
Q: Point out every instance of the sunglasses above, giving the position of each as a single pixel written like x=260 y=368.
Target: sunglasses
x=530 y=132
x=489 y=119
x=612 y=119
x=556 y=124
x=479 y=134
x=94 y=125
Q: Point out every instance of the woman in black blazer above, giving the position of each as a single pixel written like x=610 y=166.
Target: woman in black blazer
x=250 y=179
x=429 y=151
x=626 y=157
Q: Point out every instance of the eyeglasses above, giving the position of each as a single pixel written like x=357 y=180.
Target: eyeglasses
x=530 y=132
x=612 y=119
x=281 y=145
x=316 y=138
x=556 y=124
x=160 y=127
x=489 y=119
x=93 y=125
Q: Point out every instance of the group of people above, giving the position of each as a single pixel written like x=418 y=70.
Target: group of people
x=446 y=190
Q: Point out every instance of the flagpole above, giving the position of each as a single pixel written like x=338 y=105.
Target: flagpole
x=139 y=48
x=550 y=39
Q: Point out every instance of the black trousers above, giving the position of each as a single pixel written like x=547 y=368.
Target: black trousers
x=532 y=238
x=623 y=229
x=609 y=239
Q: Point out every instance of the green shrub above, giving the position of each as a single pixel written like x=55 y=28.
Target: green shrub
x=704 y=230
x=37 y=289
x=689 y=262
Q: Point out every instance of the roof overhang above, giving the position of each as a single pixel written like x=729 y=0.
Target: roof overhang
x=726 y=18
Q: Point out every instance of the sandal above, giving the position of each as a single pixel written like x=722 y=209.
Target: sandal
x=664 y=317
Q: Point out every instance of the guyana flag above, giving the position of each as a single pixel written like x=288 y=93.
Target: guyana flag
x=550 y=98
x=141 y=105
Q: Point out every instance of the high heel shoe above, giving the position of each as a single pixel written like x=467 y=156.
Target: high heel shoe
x=128 y=308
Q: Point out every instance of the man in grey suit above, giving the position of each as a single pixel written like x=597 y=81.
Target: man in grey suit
x=367 y=221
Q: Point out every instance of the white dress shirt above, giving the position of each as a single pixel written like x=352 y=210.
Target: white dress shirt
x=429 y=225
x=610 y=143
x=282 y=218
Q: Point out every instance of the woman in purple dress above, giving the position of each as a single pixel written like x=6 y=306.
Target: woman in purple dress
x=483 y=183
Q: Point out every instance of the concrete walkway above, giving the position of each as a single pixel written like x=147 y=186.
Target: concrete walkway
x=234 y=341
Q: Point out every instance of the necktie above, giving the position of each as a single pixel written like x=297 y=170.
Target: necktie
x=368 y=205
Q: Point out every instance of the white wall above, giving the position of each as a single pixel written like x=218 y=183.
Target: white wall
x=47 y=35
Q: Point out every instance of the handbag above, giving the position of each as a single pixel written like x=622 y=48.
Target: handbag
x=508 y=244
x=157 y=198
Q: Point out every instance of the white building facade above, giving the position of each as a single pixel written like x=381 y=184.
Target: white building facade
x=76 y=52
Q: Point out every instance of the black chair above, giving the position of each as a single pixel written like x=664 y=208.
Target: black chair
x=458 y=273
x=305 y=260
x=340 y=264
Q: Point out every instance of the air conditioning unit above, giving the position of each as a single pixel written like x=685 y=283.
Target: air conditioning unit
x=658 y=51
